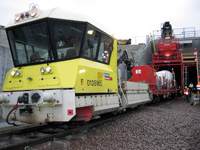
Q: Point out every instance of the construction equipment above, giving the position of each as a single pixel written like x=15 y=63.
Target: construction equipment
x=124 y=41
x=161 y=83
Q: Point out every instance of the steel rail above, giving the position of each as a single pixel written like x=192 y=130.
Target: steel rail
x=27 y=143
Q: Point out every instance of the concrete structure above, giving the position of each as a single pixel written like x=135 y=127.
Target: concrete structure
x=5 y=56
x=141 y=53
x=131 y=49
x=5 y=59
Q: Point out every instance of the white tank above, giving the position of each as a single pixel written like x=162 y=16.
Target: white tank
x=166 y=77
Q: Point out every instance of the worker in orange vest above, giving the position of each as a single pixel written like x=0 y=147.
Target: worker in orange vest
x=186 y=94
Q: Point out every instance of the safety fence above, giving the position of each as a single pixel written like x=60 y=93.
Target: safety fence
x=179 y=33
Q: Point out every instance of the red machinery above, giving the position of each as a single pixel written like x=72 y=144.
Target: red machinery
x=168 y=51
x=161 y=83
x=168 y=48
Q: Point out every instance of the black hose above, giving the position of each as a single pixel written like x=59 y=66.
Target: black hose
x=8 y=117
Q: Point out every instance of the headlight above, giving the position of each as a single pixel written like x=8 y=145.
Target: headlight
x=17 y=72
x=42 y=70
x=48 y=69
x=13 y=73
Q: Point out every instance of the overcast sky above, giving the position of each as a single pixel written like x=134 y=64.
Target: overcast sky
x=124 y=18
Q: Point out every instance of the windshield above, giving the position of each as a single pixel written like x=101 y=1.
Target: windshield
x=68 y=38
x=30 y=44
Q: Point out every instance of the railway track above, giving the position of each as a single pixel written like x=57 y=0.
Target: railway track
x=26 y=136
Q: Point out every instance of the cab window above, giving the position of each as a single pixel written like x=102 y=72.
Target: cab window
x=68 y=38
x=91 y=44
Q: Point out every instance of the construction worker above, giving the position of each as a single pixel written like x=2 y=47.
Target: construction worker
x=191 y=87
x=186 y=94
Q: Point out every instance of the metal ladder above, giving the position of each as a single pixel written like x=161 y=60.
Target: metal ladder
x=185 y=75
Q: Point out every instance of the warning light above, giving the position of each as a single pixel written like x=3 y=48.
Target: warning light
x=22 y=16
x=27 y=14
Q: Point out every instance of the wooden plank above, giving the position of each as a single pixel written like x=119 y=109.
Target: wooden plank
x=189 y=61
x=192 y=57
x=188 y=54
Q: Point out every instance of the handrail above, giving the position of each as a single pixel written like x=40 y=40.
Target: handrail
x=180 y=33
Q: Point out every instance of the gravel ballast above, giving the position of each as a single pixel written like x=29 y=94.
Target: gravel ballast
x=170 y=125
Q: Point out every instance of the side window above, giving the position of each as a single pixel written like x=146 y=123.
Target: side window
x=106 y=47
x=91 y=44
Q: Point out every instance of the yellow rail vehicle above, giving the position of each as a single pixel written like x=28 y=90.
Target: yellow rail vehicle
x=65 y=68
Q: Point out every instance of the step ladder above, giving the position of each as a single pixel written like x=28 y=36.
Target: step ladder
x=188 y=58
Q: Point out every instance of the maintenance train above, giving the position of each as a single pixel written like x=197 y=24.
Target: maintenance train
x=66 y=69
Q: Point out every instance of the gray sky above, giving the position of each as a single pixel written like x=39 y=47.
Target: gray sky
x=125 y=18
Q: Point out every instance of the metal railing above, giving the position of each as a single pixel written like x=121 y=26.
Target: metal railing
x=179 y=33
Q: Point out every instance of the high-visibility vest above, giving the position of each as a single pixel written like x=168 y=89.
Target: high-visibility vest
x=186 y=92
x=198 y=85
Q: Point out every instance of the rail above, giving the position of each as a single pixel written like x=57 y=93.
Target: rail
x=59 y=130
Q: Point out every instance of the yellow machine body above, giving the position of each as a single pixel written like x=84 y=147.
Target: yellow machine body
x=85 y=76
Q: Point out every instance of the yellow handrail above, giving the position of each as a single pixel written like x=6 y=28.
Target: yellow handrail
x=154 y=47
x=46 y=105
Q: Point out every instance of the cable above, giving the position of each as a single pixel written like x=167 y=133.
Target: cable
x=15 y=107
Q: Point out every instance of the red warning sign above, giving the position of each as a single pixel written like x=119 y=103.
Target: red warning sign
x=108 y=78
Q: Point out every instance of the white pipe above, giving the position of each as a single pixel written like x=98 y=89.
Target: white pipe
x=48 y=97
x=4 y=98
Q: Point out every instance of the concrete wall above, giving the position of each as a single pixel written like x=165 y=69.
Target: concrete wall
x=141 y=53
x=130 y=49
x=189 y=44
x=5 y=56
x=5 y=60
x=144 y=55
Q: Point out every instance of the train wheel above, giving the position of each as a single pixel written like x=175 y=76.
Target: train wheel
x=156 y=99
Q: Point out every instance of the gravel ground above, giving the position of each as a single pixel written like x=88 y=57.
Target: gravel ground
x=170 y=125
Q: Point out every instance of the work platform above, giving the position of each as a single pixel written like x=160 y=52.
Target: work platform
x=182 y=60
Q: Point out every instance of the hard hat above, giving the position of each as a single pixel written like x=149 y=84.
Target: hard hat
x=185 y=87
x=195 y=49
